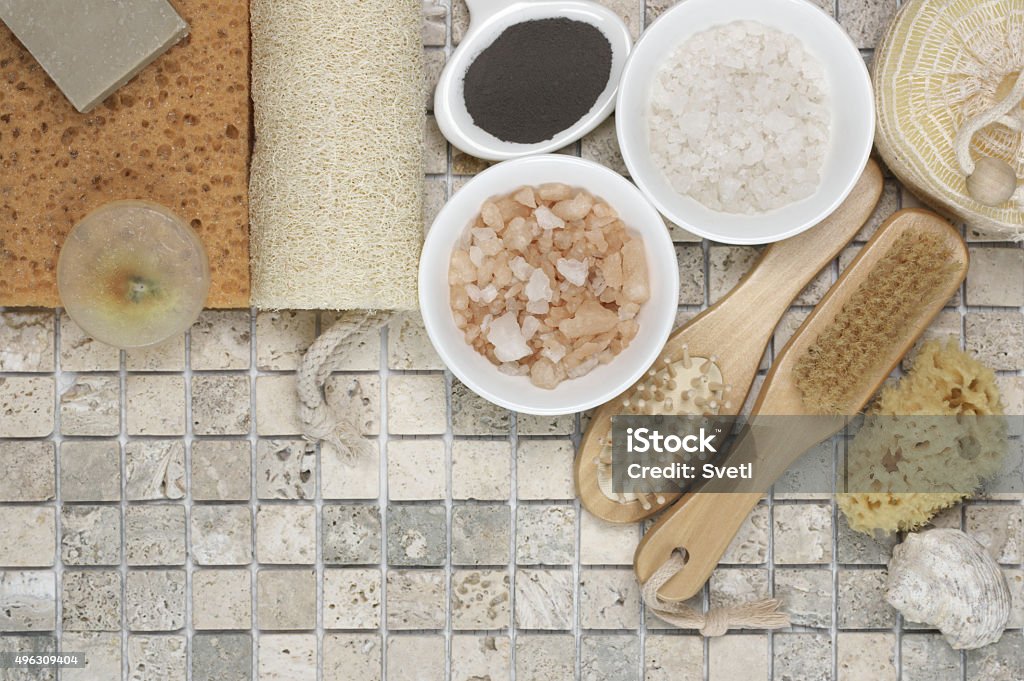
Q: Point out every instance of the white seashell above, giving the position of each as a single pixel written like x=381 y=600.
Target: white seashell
x=945 y=578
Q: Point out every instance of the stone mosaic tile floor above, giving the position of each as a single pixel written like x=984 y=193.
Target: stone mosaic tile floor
x=159 y=512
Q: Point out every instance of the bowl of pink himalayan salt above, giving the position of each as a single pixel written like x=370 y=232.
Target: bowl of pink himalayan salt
x=548 y=284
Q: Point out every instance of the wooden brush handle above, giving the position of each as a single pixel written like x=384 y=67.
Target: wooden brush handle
x=750 y=312
x=705 y=522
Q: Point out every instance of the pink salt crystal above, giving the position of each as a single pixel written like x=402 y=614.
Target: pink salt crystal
x=584 y=368
x=611 y=270
x=595 y=237
x=491 y=216
x=514 y=369
x=554 y=191
x=488 y=294
x=538 y=307
x=596 y=222
x=574 y=271
x=562 y=240
x=459 y=299
x=548 y=220
x=628 y=311
x=487 y=240
x=525 y=196
x=502 y=275
x=520 y=268
x=546 y=374
x=575 y=208
x=628 y=329
x=517 y=235
x=591 y=318
x=603 y=210
x=634 y=270
x=555 y=354
x=510 y=208
x=461 y=269
x=485 y=272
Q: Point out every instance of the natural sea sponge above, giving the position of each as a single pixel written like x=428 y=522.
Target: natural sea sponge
x=892 y=459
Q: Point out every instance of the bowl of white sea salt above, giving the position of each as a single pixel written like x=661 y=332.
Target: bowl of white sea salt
x=745 y=121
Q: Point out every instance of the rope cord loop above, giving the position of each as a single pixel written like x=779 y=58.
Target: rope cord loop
x=763 y=614
x=319 y=422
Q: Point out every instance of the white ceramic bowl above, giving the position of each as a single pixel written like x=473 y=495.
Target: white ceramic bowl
x=852 y=103
x=656 y=317
x=488 y=19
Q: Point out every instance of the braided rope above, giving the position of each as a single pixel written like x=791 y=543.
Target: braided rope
x=761 y=614
x=998 y=113
x=319 y=422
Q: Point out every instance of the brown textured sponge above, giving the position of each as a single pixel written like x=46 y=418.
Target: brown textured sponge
x=177 y=134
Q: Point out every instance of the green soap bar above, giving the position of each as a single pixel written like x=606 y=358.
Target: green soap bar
x=92 y=47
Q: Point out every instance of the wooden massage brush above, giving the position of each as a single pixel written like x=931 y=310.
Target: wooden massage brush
x=830 y=368
x=708 y=365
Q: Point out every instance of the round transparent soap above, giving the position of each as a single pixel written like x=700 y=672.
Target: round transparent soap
x=132 y=274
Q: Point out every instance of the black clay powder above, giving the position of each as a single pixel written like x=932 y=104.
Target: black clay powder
x=537 y=79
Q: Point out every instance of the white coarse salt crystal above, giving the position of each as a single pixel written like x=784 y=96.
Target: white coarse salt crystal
x=583 y=369
x=573 y=270
x=476 y=255
x=514 y=369
x=530 y=326
x=520 y=268
x=507 y=338
x=538 y=307
x=554 y=351
x=538 y=288
x=473 y=291
x=548 y=220
x=488 y=294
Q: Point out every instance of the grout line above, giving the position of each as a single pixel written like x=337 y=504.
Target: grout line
x=383 y=492
x=123 y=474
x=58 y=558
x=319 y=569
x=449 y=569
x=834 y=626
x=189 y=565
x=252 y=504
x=513 y=506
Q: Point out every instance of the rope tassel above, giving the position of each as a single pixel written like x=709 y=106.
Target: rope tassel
x=319 y=422
x=762 y=614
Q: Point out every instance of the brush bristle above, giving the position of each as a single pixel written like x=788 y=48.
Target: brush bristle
x=879 y=315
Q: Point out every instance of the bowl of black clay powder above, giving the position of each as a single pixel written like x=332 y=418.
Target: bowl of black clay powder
x=531 y=76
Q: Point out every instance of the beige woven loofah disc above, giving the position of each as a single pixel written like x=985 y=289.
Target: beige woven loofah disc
x=941 y=63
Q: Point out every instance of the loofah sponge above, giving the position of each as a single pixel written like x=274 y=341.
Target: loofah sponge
x=891 y=460
x=177 y=134
x=337 y=168
x=914 y=268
